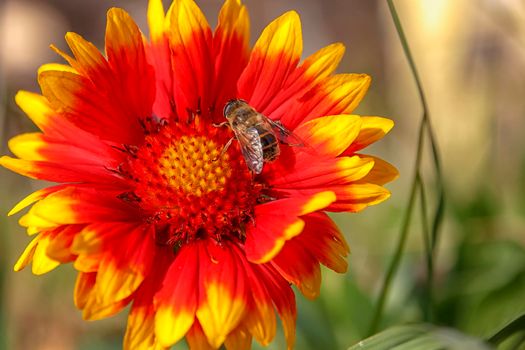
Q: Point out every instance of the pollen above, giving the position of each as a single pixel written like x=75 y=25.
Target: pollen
x=185 y=183
x=194 y=164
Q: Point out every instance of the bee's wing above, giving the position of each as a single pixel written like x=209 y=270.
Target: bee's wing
x=289 y=138
x=251 y=149
x=286 y=136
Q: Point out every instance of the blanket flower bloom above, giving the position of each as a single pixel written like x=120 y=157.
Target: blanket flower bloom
x=150 y=207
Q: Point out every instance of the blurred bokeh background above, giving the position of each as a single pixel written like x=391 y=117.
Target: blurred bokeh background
x=471 y=57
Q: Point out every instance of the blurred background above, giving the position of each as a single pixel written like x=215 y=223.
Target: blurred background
x=471 y=57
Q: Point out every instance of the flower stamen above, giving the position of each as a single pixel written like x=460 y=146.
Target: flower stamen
x=188 y=186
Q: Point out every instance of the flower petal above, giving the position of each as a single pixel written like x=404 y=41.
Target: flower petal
x=278 y=221
x=322 y=173
x=322 y=239
x=299 y=267
x=126 y=262
x=85 y=299
x=223 y=293
x=135 y=87
x=89 y=107
x=88 y=263
x=156 y=19
x=231 y=50
x=336 y=94
x=36 y=107
x=260 y=319
x=75 y=205
x=331 y=135
x=356 y=197
x=190 y=41
x=197 y=339
x=140 y=332
x=274 y=56
x=27 y=146
x=176 y=301
x=372 y=129
x=382 y=172
x=314 y=69
x=55 y=159
x=239 y=339
x=283 y=298
x=50 y=171
x=60 y=242
x=83 y=288
x=88 y=60
x=27 y=255
x=37 y=252
x=56 y=67
x=107 y=97
x=159 y=56
x=33 y=197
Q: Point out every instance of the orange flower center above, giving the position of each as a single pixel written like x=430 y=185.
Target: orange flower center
x=195 y=165
x=185 y=183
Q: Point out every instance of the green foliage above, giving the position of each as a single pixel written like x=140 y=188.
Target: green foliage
x=420 y=337
x=486 y=287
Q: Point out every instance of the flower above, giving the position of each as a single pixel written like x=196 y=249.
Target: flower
x=154 y=211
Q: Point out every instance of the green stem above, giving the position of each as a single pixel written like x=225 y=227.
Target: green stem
x=425 y=126
x=426 y=118
x=394 y=264
x=428 y=307
x=513 y=327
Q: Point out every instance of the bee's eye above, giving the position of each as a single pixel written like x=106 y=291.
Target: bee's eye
x=228 y=107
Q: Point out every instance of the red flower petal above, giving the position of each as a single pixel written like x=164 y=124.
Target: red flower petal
x=190 y=41
x=223 y=293
x=372 y=129
x=324 y=241
x=176 y=301
x=382 y=172
x=75 y=205
x=331 y=135
x=314 y=69
x=231 y=50
x=260 y=319
x=336 y=94
x=283 y=298
x=322 y=173
x=140 y=332
x=274 y=56
x=278 y=221
x=306 y=275
x=86 y=299
x=135 y=87
x=238 y=339
x=126 y=261
x=197 y=339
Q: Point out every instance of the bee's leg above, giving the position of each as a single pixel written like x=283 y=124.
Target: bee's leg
x=224 y=149
x=227 y=145
x=220 y=125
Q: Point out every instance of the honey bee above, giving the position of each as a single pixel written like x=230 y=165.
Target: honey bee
x=258 y=135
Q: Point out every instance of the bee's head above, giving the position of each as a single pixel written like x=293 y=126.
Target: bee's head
x=231 y=106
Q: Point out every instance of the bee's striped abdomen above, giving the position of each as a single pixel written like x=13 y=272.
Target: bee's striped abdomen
x=269 y=143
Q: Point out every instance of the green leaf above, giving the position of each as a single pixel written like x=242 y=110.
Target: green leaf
x=516 y=326
x=485 y=288
x=420 y=337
